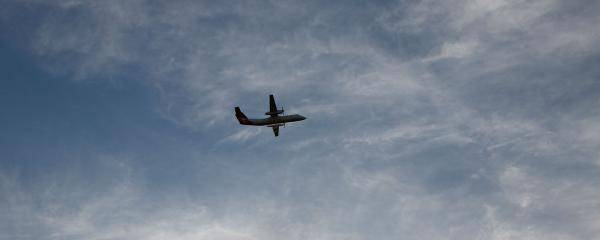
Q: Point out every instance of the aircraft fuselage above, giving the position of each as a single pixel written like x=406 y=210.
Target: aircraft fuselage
x=274 y=120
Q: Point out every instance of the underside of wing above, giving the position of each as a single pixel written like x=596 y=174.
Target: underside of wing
x=272 y=105
x=275 y=130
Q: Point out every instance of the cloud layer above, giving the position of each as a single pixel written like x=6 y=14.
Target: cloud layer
x=427 y=119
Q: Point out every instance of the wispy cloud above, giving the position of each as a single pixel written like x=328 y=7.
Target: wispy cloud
x=427 y=120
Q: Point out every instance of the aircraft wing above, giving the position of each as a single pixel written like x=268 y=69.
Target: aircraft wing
x=272 y=106
x=276 y=130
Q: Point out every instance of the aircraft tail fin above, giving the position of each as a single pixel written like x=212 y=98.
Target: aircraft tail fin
x=241 y=117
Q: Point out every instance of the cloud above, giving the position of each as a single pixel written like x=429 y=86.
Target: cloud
x=440 y=120
x=244 y=134
x=454 y=50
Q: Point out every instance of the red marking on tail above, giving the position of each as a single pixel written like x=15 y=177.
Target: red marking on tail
x=241 y=117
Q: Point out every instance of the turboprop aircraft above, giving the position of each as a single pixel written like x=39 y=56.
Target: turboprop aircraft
x=274 y=121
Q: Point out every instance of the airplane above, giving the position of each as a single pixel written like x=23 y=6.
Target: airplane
x=274 y=121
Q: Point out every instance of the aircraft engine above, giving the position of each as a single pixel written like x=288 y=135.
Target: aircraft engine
x=275 y=112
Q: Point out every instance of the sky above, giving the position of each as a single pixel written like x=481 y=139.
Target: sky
x=455 y=119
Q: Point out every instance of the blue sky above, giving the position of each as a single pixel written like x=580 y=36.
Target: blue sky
x=459 y=119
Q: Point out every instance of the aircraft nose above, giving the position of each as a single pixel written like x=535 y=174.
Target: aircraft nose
x=302 y=117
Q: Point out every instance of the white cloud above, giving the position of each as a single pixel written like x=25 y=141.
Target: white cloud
x=459 y=49
x=245 y=134
x=396 y=121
